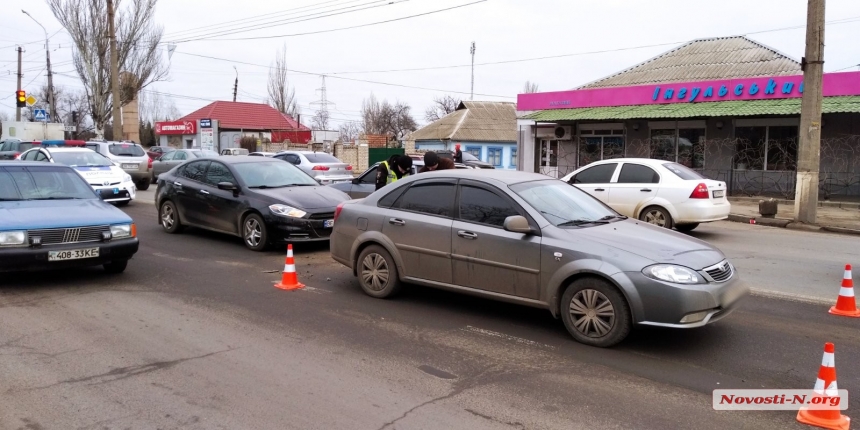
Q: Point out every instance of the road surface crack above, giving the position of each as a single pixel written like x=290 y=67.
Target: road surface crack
x=487 y=417
x=429 y=402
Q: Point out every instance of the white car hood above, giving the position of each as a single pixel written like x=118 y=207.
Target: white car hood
x=101 y=175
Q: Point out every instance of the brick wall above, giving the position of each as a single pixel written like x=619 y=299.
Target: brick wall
x=354 y=155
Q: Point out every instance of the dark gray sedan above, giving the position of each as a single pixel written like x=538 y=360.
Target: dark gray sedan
x=175 y=158
x=528 y=239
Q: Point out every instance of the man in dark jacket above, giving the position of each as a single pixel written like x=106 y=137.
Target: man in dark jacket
x=432 y=161
x=395 y=168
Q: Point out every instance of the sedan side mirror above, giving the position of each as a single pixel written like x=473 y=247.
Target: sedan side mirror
x=518 y=224
x=229 y=186
x=356 y=181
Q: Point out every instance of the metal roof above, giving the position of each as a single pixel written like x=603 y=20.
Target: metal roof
x=474 y=122
x=736 y=108
x=705 y=59
x=245 y=116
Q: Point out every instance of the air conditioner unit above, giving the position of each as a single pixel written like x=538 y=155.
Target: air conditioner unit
x=555 y=133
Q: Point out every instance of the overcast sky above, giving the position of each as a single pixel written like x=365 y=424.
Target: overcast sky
x=503 y=30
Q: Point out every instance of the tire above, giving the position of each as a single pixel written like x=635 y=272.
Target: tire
x=656 y=215
x=254 y=233
x=377 y=273
x=153 y=179
x=597 y=305
x=143 y=184
x=168 y=217
x=686 y=227
x=116 y=266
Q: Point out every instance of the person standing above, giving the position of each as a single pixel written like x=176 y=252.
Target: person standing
x=396 y=167
x=432 y=161
x=458 y=154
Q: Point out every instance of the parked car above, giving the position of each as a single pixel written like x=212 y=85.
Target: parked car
x=155 y=152
x=468 y=159
x=261 y=200
x=659 y=192
x=10 y=149
x=175 y=158
x=262 y=154
x=365 y=184
x=131 y=158
x=234 y=151
x=53 y=219
x=109 y=181
x=323 y=167
x=524 y=238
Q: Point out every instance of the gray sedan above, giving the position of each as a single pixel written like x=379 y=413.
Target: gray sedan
x=175 y=158
x=528 y=239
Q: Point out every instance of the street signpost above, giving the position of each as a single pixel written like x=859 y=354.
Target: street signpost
x=31 y=100
x=40 y=115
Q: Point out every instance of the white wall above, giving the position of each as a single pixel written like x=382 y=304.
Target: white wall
x=525 y=144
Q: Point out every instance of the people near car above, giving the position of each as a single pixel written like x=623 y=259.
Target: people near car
x=396 y=167
x=458 y=154
x=432 y=161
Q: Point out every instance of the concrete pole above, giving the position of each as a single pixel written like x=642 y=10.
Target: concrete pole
x=20 y=76
x=809 y=150
x=114 y=74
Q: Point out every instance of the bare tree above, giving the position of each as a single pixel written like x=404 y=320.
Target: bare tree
x=441 y=106
x=138 y=52
x=530 y=87
x=281 y=96
x=381 y=117
x=153 y=107
x=321 y=119
x=349 y=131
x=4 y=116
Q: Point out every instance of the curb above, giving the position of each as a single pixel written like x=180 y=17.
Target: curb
x=782 y=202
x=786 y=223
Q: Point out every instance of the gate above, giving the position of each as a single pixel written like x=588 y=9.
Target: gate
x=375 y=155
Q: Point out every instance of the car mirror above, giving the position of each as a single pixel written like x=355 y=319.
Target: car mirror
x=356 y=181
x=228 y=186
x=518 y=224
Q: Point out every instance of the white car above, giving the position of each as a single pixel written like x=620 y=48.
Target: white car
x=659 y=192
x=109 y=180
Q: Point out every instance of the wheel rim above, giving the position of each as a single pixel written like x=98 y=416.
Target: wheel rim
x=592 y=313
x=374 y=272
x=167 y=217
x=655 y=217
x=253 y=232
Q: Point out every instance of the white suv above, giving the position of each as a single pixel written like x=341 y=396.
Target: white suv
x=130 y=156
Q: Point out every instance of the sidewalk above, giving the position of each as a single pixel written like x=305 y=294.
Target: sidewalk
x=839 y=217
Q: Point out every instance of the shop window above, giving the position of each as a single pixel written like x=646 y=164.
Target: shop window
x=598 y=148
x=684 y=146
x=766 y=148
x=513 y=158
x=749 y=150
x=663 y=145
x=494 y=156
x=782 y=148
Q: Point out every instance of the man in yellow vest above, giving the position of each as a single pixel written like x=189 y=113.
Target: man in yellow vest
x=395 y=168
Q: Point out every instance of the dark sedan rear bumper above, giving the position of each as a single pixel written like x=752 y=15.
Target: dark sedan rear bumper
x=32 y=259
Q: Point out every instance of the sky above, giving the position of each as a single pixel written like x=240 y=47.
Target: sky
x=558 y=44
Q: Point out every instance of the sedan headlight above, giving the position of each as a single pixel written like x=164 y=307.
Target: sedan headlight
x=126 y=178
x=11 y=238
x=674 y=274
x=121 y=231
x=288 y=211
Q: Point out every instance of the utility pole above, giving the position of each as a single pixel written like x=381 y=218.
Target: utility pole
x=20 y=76
x=114 y=74
x=472 y=51
x=236 y=83
x=809 y=150
x=52 y=110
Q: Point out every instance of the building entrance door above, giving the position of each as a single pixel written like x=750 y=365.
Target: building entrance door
x=547 y=162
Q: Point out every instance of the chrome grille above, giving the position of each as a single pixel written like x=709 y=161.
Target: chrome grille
x=103 y=184
x=721 y=272
x=57 y=236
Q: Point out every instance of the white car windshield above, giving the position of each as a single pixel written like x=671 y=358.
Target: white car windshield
x=81 y=159
x=563 y=204
x=272 y=174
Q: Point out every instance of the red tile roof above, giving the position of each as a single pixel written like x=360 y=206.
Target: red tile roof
x=245 y=116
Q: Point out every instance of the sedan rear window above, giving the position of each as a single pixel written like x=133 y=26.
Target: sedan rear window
x=126 y=150
x=683 y=172
x=321 y=157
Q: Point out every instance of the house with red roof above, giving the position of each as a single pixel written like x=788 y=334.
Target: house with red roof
x=222 y=124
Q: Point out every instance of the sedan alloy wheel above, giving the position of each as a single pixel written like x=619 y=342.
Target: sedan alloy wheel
x=595 y=312
x=254 y=232
x=592 y=313
x=377 y=272
x=374 y=271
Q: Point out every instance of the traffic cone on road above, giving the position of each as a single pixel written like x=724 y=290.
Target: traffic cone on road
x=289 y=279
x=825 y=385
x=846 y=305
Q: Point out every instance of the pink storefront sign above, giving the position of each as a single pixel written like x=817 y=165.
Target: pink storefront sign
x=776 y=87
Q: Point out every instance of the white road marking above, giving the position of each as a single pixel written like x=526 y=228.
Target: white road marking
x=507 y=337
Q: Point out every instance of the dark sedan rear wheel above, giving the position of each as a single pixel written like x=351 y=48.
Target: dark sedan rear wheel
x=595 y=312
x=377 y=272
x=254 y=232
x=143 y=184
x=169 y=217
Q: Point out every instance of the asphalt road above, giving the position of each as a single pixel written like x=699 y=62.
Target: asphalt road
x=193 y=335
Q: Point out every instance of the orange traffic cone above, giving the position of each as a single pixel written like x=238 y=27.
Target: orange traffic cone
x=289 y=279
x=825 y=384
x=846 y=305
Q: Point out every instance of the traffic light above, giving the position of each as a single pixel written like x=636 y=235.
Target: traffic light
x=21 y=98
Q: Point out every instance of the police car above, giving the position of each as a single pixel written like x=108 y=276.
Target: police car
x=110 y=181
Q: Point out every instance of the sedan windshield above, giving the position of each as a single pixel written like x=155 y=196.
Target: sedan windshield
x=272 y=174
x=81 y=158
x=42 y=183
x=563 y=204
x=203 y=153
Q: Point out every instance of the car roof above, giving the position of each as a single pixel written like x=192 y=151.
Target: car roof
x=19 y=163
x=239 y=159
x=508 y=177
x=650 y=161
x=62 y=149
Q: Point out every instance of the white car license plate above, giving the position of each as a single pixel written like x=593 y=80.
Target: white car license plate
x=73 y=254
x=329 y=223
x=129 y=166
x=719 y=193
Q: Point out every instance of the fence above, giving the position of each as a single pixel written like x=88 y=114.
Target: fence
x=381 y=154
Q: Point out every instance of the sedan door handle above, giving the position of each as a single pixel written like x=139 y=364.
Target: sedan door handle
x=204 y=192
x=396 y=221
x=646 y=190
x=599 y=189
x=178 y=184
x=467 y=234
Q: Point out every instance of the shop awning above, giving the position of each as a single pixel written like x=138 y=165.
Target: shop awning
x=847 y=104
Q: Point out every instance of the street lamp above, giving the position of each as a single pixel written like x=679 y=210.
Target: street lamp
x=51 y=107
